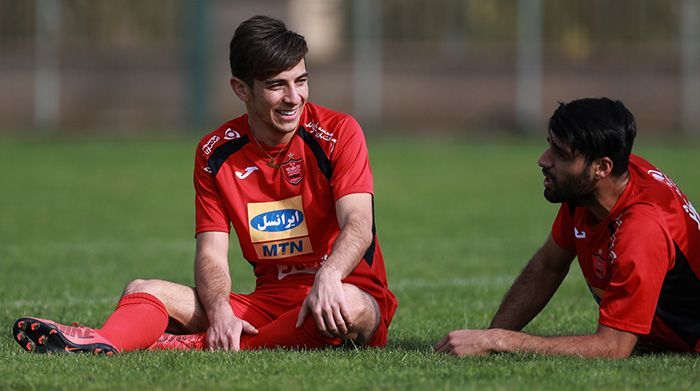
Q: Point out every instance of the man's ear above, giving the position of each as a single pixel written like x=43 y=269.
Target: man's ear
x=602 y=167
x=240 y=88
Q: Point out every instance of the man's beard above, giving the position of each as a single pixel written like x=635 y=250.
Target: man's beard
x=576 y=189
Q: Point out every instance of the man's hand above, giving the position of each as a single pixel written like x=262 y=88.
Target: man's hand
x=467 y=343
x=607 y=342
x=225 y=329
x=326 y=303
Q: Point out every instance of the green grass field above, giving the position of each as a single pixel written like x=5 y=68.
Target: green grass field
x=456 y=221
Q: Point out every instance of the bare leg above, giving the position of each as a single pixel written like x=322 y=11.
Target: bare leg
x=186 y=313
x=364 y=312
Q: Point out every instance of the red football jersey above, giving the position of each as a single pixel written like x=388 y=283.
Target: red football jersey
x=285 y=216
x=643 y=261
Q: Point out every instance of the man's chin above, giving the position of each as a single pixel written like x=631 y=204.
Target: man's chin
x=552 y=196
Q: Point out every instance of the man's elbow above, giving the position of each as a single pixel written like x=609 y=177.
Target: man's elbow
x=366 y=236
x=616 y=344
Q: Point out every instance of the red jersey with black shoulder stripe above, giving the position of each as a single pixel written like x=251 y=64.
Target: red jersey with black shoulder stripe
x=642 y=262
x=285 y=217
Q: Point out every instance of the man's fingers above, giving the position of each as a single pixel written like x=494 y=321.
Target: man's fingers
x=211 y=341
x=321 y=324
x=346 y=316
x=340 y=323
x=302 y=314
x=249 y=328
x=441 y=343
x=235 y=342
x=330 y=321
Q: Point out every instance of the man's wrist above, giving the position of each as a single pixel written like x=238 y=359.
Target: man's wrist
x=328 y=273
x=497 y=340
x=218 y=309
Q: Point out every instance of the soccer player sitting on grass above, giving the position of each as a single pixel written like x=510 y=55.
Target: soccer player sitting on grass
x=294 y=180
x=636 y=237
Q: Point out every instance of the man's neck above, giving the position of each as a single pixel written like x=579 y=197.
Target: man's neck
x=606 y=196
x=266 y=136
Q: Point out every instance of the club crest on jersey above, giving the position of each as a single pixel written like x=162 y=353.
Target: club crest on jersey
x=600 y=265
x=231 y=134
x=278 y=228
x=293 y=171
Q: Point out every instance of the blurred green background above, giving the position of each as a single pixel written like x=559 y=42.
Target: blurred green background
x=102 y=103
x=406 y=66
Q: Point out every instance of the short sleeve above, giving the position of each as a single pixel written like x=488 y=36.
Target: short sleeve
x=350 y=162
x=563 y=228
x=210 y=211
x=641 y=255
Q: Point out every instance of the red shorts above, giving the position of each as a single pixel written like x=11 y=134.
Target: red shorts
x=270 y=300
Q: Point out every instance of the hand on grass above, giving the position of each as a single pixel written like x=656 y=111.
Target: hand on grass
x=467 y=343
x=225 y=330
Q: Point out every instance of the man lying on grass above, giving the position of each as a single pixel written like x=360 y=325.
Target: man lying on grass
x=636 y=237
x=293 y=179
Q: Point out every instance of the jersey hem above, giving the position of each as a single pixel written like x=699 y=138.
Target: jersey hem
x=627 y=327
x=352 y=190
x=212 y=228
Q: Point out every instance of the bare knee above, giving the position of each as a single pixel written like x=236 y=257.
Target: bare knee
x=364 y=313
x=152 y=287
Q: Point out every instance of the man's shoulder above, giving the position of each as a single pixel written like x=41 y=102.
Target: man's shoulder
x=329 y=120
x=229 y=130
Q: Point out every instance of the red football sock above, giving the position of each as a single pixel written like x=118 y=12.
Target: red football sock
x=282 y=332
x=136 y=323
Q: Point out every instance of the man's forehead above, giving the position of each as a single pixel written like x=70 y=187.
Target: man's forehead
x=558 y=143
x=292 y=73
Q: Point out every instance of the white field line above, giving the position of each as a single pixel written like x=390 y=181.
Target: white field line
x=499 y=281
x=48 y=302
x=103 y=245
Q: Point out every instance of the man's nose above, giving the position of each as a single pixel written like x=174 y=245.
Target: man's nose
x=545 y=160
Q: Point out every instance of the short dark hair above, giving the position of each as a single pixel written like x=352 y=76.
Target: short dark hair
x=596 y=128
x=262 y=47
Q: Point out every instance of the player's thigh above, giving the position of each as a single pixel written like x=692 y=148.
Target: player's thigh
x=187 y=315
x=364 y=312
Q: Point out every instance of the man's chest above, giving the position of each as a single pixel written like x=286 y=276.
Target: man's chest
x=595 y=250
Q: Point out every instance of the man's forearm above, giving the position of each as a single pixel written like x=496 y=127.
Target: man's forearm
x=593 y=345
x=348 y=249
x=213 y=284
x=530 y=292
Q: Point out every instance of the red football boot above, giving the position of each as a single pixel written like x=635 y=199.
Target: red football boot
x=180 y=342
x=46 y=336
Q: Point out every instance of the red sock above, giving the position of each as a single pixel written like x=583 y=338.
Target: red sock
x=282 y=332
x=136 y=323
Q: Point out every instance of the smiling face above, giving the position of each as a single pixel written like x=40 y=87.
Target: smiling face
x=567 y=176
x=275 y=105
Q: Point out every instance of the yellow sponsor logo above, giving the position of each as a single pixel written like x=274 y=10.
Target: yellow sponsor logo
x=283 y=248
x=278 y=228
x=276 y=220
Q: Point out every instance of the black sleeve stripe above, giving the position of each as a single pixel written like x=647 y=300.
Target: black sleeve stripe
x=369 y=254
x=679 y=301
x=324 y=163
x=223 y=151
